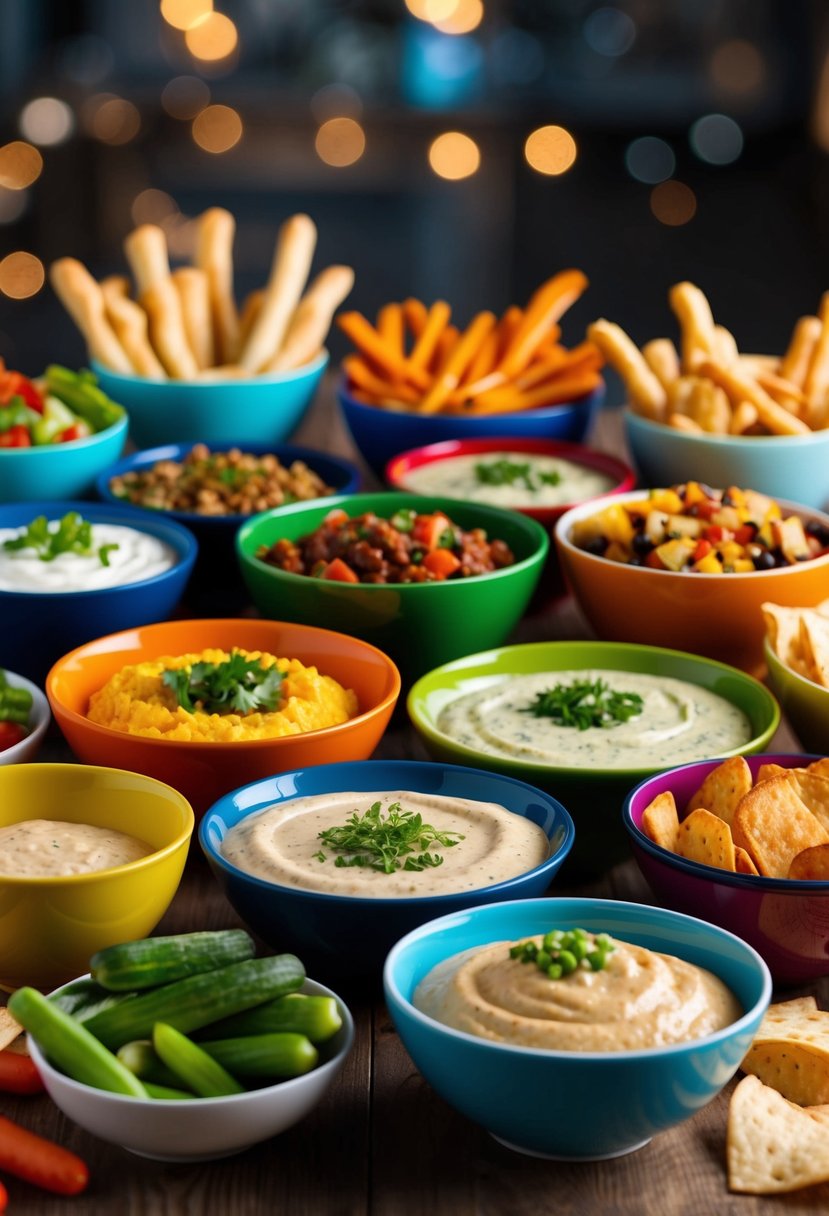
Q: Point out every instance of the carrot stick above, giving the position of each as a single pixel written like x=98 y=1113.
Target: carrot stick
x=18 y=1074
x=40 y=1161
x=445 y=345
x=366 y=338
x=459 y=359
x=547 y=305
x=584 y=357
x=562 y=388
x=485 y=360
x=507 y=326
x=360 y=374
x=424 y=348
x=415 y=313
x=390 y=327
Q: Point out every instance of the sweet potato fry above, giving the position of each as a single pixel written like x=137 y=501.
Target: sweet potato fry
x=390 y=326
x=366 y=338
x=547 y=305
x=461 y=355
x=360 y=375
x=415 y=313
x=424 y=348
x=561 y=388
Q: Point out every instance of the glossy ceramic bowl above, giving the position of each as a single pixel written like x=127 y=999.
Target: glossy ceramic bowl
x=66 y=470
x=204 y=771
x=337 y=933
x=574 y=1105
x=380 y=434
x=205 y=1128
x=593 y=796
x=717 y=615
x=785 y=466
x=49 y=927
x=418 y=624
x=805 y=704
x=40 y=626
x=785 y=920
x=261 y=409
x=39 y=719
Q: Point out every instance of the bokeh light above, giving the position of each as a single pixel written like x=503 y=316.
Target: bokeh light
x=20 y=165
x=465 y=17
x=217 y=128
x=21 y=275
x=550 y=150
x=13 y=203
x=737 y=66
x=111 y=119
x=184 y=97
x=673 y=203
x=454 y=156
x=153 y=207
x=609 y=31
x=340 y=142
x=212 y=37
x=716 y=138
x=46 y=121
x=181 y=14
x=650 y=160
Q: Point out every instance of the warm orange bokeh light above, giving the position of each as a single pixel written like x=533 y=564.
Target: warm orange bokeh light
x=21 y=275
x=20 y=165
x=737 y=66
x=550 y=150
x=181 y=14
x=454 y=155
x=673 y=203
x=340 y=142
x=465 y=17
x=217 y=128
x=212 y=37
x=114 y=121
x=153 y=207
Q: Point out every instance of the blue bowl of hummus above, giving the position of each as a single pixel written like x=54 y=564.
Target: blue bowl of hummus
x=590 y=1065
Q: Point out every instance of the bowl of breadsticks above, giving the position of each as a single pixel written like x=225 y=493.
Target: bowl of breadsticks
x=415 y=378
x=186 y=362
x=707 y=412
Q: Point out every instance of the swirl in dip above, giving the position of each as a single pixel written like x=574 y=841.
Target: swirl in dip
x=640 y=999
x=281 y=844
x=138 y=556
x=548 y=481
x=678 y=718
x=47 y=848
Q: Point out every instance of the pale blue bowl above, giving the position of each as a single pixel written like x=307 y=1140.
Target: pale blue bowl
x=61 y=470
x=262 y=409
x=575 y=1105
x=784 y=466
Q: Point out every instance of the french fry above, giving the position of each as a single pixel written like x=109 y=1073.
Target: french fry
x=366 y=338
x=415 y=313
x=563 y=388
x=484 y=361
x=83 y=300
x=699 y=337
x=129 y=322
x=507 y=327
x=647 y=394
x=680 y=392
x=708 y=406
x=783 y=392
x=741 y=387
x=681 y=422
x=458 y=361
x=291 y=263
x=547 y=305
x=661 y=356
x=193 y=289
x=146 y=250
x=443 y=350
x=727 y=349
x=436 y=322
x=743 y=416
x=312 y=320
x=390 y=326
x=794 y=365
x=816 y=384
x=214 y=255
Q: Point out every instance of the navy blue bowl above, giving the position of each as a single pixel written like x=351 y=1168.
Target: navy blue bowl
x=36 y=628
x=381 y=434
x=338 y=933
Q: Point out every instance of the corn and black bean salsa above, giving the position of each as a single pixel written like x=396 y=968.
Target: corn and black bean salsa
x=693 y=528
x=408 y=548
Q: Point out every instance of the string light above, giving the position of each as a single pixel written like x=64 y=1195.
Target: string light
x=21 y=275
x=47 y=121
x=454 y=156
x=550 y=150
x=673 y=203
x=111 y=119
x=212 y=37
x=181 y=14
x=340 y=142
x=20 y=165
x=217 y=128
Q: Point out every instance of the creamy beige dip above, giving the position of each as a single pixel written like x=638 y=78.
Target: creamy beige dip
x=138 y=556
x=281 y=844
x=679 y=722
x=49 y=848
x=550 y=480
x=641 y=999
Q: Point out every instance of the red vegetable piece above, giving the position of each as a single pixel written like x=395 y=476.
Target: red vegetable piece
x=16 y=437
x=76 y=431
x=428 y=529
x=18 y=1074
x=715 y=533
x=11 y=733
x=4 y=1197
x=335 y=517
x=40 y=1161
x=655 y=561
x=702 y=550
x=15 y=384
x=442 y=563
x=339 y=572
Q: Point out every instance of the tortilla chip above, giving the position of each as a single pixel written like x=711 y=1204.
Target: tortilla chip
x=773 y=825
x=706 y=838
x=743 y=862
x=821 y=767
x=813 y=790
x=820 y=1113
x=9 y=1028
x=796 y=1067
x=811 y=864
x=823 y=608
x=660 y=821
x=723 y=788
x=771 y=1146
x=814 y=643
x=798 y=1007
x=766 y=771
x=782 y=630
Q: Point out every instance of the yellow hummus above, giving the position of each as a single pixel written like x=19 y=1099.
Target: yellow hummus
x=49 y=848
x=137 y=701
x=641 y=999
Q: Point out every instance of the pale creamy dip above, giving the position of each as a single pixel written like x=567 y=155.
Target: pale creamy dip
x=641 y=999
x=139 y=555
x=679 y=721
x=456 y=476
x=48 y=848
x=281 y=844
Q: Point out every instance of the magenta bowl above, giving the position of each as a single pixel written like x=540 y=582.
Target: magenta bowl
x=785 y=920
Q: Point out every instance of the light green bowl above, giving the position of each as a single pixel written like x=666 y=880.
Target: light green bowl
x=805 y=704
x=593 y=796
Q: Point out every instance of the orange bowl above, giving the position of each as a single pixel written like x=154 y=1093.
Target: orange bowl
x=203 y=771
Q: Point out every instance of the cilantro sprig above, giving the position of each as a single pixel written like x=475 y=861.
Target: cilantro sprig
x=505 y=472
x=72 y=535
x=236 y=686
x=585 y=703
x=382 y=842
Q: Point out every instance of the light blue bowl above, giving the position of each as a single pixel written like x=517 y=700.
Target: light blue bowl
x=785 y=466
x=262 y=409
x=575 y=1105
x=61 y=470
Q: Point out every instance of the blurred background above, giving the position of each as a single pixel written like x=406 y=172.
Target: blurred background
x=463 y=149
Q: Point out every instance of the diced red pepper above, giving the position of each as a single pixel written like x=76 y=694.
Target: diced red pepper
x=745 y=534
x=16 y=437
x=442 y=563
x=715 y=533
x=655 y=561
x=702 y=550
x=428 y=529
x=76 y=431
x=15 y=384
x=704 y=510
x=340 y=572
x=11 y=733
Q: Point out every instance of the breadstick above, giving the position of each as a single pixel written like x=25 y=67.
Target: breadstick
x=83 y=300
x=661 y=357
x=795 y=363
x=250 y=311
x=743 y=416
x=647 y=395
x=681 y=422
x=699 y=336
x=163 y=309
x=146 y=250
x=311 y=322
x=214 y=255
x=289 y=272
x=741 y=387
x=129 y=321
x=727 y=349
x=456 y=364
x=193 y=290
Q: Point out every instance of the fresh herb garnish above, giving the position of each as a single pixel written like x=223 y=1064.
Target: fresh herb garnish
x=379 y=842
x=585 y=703
x=403 y=520
x=237 y=685
x=72 y=535
x=446 y=540
x=563 y=951
x=505 y=472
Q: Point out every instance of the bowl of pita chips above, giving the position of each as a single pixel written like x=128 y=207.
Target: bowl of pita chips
x=744 y=843
x=797 y=654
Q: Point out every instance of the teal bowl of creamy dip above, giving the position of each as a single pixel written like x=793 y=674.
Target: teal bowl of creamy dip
x=586 y=721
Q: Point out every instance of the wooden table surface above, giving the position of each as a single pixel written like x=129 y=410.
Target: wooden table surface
x=382 y=1142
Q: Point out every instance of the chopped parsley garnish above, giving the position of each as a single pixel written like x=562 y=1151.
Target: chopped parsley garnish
x=236 y=686
x=72 y=535
x=505 y=472
x=585 y=703
x=381 y=842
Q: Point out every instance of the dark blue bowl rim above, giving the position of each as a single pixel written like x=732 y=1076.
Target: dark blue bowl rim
x=748 y=882
x=395 y=996
x=585 y=402
x=89 y=441
x=415 y=901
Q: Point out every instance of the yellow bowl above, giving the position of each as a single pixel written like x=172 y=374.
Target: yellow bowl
x=49 y=927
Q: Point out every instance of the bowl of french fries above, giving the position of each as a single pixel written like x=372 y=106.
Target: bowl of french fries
x=703 y=410
x=416 y=378
x=797 y=653
x=746 y=838
x=175 y=348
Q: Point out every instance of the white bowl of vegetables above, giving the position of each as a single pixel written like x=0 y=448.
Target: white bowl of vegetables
x=24 y=718
x=214 y=1079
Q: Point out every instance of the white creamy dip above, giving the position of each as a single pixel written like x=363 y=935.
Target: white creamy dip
x=138 y=556
x=456 y=476
x=48 y=848
x=679 y=721
x=282 y=844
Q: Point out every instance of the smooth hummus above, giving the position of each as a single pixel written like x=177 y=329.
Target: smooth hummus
x=641 y=999
x=282 y=845
x=48 y=848
x=679 y=720
x=138 y=556
x=137 y=701
x=550 y=481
